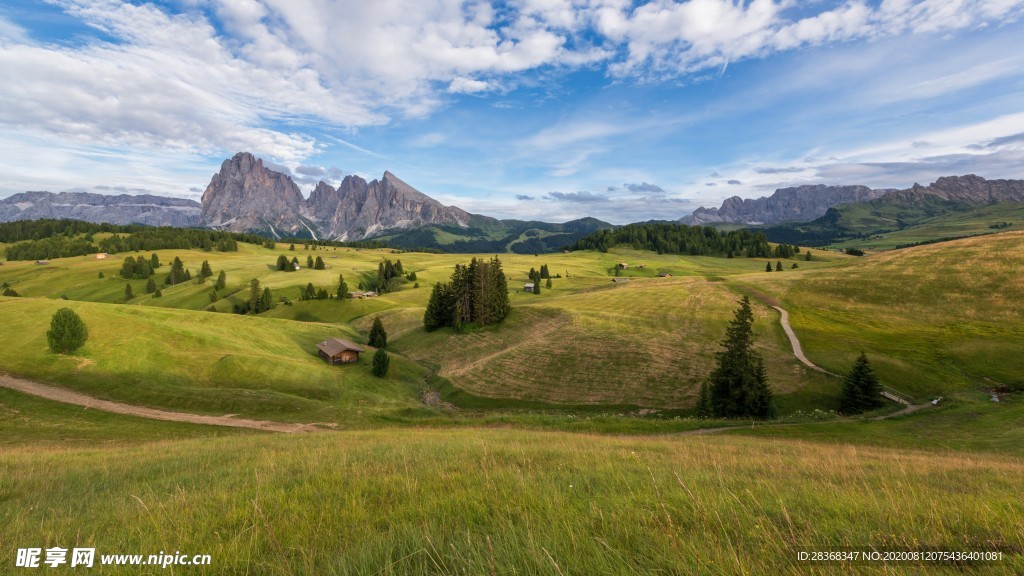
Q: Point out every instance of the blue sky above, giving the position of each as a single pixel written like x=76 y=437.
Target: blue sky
x=545 y=109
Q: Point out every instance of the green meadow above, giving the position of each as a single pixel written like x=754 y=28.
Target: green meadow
x=558 y=442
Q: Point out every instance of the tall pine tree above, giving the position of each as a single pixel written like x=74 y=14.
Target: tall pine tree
x=739 y=387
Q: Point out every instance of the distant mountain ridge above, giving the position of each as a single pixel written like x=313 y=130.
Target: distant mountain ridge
x=101 y=208
x=810 y=202
x=900 y=210
x=801 y=203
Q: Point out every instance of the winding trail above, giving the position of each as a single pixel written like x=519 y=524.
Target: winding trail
x=798 y=351
x=69 y=397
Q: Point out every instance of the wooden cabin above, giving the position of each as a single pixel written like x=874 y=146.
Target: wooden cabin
x=337 y=351
x=102 y=256
x=620 y=280
x=528 y=287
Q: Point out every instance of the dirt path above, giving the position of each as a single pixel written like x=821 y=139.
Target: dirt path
x=906 y=410
x=797 y=349
x=69 y=397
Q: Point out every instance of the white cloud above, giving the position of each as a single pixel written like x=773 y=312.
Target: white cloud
x=462 y=85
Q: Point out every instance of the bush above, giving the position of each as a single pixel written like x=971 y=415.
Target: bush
x=67 y=332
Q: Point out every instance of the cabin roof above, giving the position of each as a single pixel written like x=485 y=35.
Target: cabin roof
x=335 y=346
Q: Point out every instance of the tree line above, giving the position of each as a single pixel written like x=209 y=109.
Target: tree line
x=46 y=239
x=668 y=238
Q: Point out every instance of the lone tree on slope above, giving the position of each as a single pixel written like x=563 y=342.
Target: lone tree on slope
x=861 y=388
x=381 y=363
x=67 y=332
x=378 y=336
x=739 y=385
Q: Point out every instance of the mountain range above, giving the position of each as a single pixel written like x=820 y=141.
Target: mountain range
x=247 y=196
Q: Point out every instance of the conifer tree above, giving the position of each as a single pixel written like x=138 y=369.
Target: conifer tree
x=213 y=295
x=150 y=286
x=158 y=293
x=266 y=301
x=154 y=261
x=319 y=264
x=768 y=267
x=128 y=292
x=283 y=264
x=222 y=281
x=548 y=283
x=861 y=388
x=381 y=363
x=291 y=247
x=205 y=271
x=739 y=386
x=342 y=287
x=778 y=266
x=67 y=331
x=309 y=261
x=101 y=274
x=254 y=294
x=378 y=336
x=536 y=287
x=807 y=256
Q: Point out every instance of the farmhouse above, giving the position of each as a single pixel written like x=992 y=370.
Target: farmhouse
x=102 y=256
x=337 y=351
x=623 y=266
x=528 y=287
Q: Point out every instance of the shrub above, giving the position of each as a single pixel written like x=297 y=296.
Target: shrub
x=67 y=331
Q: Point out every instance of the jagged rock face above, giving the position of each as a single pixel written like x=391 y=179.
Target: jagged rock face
x=970 y=188
x=121 y=209
x=366 y=209
x=247 y=196
x=801 y=204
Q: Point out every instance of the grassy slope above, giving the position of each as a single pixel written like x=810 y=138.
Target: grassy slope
x=958 y=224
x=589 y=342
x=502 y=502
x=203 y=362
x=933 y=319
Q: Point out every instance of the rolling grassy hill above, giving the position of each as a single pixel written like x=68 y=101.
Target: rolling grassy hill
x=586 y=342
x=411 y=489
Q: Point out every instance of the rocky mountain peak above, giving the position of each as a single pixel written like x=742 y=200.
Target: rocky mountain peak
x=247 y=196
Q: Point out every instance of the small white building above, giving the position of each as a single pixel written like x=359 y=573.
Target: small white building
x=102 y=256
x=528 y=287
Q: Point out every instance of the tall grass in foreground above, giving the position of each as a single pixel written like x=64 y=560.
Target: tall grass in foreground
x=507 y=502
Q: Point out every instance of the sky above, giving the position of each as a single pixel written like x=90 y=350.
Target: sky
x=533 y=109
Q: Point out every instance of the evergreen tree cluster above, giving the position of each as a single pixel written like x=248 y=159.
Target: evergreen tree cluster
x=259 y=300
x=738 y=386
x=311 y=292
x=667 y=238
x=139 y=268
x=319 y=264
x=389 y=276
x=861 y=388
x=284 y=264
x=477 y=294
x=178 y=273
